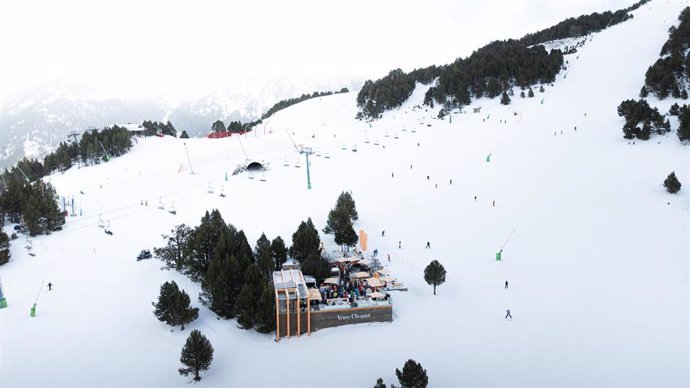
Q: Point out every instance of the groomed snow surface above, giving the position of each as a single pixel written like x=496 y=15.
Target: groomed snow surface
x=598 y=265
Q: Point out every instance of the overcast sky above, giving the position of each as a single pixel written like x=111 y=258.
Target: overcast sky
x=127 y=47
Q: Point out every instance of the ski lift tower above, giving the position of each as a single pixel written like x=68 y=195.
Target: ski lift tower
x=307 y=151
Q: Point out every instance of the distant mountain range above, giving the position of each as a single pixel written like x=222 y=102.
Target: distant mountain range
x=35 y=121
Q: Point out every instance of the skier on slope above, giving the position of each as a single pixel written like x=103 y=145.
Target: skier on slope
x=506 y=284
x=508 y=315
x=428 y=244
x=50 y=286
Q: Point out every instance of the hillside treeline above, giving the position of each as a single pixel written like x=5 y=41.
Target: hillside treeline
x=669 y=75
x=280 y=105
x=489 y=71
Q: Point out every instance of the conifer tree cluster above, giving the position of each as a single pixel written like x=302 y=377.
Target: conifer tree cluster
x=234 y=126
x=641 y=120
x=670 y=73
x=173 y=306
x=34 y=204
x=154 y=127
x=280 y=105
x=683 y=114
x=4 y=248
x=340 y=221
x=488 y=71
x=234 y=278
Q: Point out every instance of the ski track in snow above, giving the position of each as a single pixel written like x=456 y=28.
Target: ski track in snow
x=598 y=265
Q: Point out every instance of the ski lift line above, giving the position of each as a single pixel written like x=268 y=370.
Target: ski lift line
x=190 y=189
x=508 y=239
x=39 y=291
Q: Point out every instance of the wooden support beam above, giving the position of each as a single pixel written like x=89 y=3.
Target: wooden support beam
x=308 y=314
x=299 y=308
x=288 y=313
x=277 y=318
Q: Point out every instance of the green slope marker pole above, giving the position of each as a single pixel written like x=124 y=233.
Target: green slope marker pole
x=3 y=301
x=542 y=101
x=33 y=308
x=488 y=158
x=498 y=254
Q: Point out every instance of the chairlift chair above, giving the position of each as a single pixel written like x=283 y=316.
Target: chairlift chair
x=101 y=224
x=344 y=147
x=263 y=177
x=160 y=204
x=285 y=163
x=386 y=135
x=376 y=142
x=328 y=155
x=172 y=209
x=297 y=163
x=395 y=136
x=209 y=189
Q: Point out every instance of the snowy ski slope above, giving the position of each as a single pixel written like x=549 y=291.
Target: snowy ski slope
x=598 y=265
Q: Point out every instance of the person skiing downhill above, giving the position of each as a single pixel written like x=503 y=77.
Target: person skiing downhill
x=399 y=244
x=508 y=315
x=50 y=286
x=506 y=284
x=428 y=244
x=383 y=233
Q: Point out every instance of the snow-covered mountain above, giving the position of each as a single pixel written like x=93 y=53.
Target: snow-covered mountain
x=35 y=121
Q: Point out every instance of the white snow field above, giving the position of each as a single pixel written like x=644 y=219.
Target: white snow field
x=598 y=264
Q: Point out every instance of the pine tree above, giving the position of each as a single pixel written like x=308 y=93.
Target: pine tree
x=435 y=274
x=346 y=236
x=684 y=93
x=244 y=308
x=215 y=286
x=246 y=305
x=185 y=313
x=522 y=94
x=173 y=306
x=379 y=383
x=412 y=375
x=197 y=355
x=184 y=135
x=218 y=126
x=4 y=248
x=346 y=202
x=672 y=184
x=530 y=93
x=279 y=252
x=316 y=266
x=684 y=127
x=643 y=92
x=173 y=253
x=264 y=257
x=541 y=88
x=505 y=99
x=243 y=251
x=305 y=241
x=266 y=310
